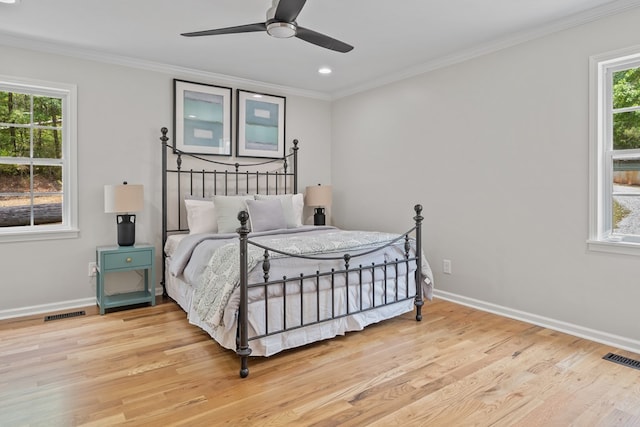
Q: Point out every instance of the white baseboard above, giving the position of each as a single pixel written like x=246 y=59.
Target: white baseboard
x=557 y=325
x=46 y=308
x=56 y=306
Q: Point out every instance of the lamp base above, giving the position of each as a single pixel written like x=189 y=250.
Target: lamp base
x=126 y=229
x=318 y=217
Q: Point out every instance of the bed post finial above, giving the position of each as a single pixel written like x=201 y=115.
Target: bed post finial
x=164 y=138
x=243 y=217
x=418 y=209
x=243 y=350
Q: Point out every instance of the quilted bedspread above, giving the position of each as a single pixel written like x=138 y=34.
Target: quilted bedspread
x=221 y=276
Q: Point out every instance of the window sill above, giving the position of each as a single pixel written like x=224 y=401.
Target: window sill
x=614 y=247
x=34 y=235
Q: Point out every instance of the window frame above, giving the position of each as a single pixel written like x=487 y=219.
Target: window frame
x=601 y=69
x=69 y=227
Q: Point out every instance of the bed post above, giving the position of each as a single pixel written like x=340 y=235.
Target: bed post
x=295 y=166
x=164 y=138
x=243 y=349
x=419 y=302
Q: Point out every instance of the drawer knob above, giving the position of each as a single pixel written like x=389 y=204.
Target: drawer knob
x=129 y=259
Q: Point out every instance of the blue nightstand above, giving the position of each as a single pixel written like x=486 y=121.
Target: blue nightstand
x=125 y=258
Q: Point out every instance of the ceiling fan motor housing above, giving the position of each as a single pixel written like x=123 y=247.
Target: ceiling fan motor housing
x=281 y=30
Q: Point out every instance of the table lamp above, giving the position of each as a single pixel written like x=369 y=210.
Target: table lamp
x=320 y=197
x=124 y=199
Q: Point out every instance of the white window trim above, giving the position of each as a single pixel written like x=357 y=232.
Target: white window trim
x=70 y=159
x=599 y=169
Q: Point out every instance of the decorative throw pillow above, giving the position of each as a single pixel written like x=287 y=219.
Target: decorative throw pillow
x=227 y=210
x=201 y=215
x=292 y=205
x=266 y=215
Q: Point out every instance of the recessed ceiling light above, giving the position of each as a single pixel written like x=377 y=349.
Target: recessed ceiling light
x=324 y=70
x=9 y=1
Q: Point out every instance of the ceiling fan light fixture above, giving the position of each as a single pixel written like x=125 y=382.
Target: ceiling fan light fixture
x=281 y=30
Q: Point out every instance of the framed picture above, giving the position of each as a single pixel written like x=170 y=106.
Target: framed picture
x=202 y=118
x=261 y=121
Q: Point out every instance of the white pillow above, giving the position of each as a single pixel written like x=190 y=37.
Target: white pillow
x=266 y=215
x=292 y=205
x=298 y=206
x=227 y=210
x=201 y=216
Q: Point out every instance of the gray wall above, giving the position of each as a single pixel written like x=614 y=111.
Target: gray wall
x=496 y=149
x=120 y=112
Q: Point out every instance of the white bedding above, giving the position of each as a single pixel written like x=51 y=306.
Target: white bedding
x=189 y=265
x=172 y=243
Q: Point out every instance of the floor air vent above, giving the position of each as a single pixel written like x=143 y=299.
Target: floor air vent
x=632 y=363
x=64 y=315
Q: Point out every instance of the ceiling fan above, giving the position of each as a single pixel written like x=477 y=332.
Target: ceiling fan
x=281 y=23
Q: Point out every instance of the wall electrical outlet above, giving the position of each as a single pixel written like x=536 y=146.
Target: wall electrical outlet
x=446 y=266
x=93 y=269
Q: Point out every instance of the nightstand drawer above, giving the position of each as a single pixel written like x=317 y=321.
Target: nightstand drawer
x=127 y=260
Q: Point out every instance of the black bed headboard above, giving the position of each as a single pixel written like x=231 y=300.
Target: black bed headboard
x=198 y=175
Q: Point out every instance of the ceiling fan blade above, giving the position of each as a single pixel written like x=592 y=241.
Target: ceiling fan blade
x=322 y=40
x=288 y=10
x=260 y=26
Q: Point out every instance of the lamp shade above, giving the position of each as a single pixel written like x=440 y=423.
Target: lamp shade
x=318 y=195
x=123 y=198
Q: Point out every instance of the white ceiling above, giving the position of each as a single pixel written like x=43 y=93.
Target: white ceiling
x=392 y=39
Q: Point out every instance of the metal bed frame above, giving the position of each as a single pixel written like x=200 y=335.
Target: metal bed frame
x=226 y=180
x=236 y=179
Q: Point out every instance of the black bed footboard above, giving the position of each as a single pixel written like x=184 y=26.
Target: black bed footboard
x=361 y=287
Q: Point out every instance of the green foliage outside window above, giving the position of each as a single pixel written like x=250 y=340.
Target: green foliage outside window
x=30 y=126
x=626 y=94
x=619 y=213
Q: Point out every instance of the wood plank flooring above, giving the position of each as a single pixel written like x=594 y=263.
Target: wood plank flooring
x=458 y=367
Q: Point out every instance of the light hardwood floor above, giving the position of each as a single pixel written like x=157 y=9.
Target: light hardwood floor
x=459 y=366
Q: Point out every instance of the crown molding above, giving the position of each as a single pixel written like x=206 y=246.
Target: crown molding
x=39 y=45
x=590 y=15
x=613 y=8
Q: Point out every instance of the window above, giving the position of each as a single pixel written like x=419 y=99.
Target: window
x=615 y=153
x=37 y=160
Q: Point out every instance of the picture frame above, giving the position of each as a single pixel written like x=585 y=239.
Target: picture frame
x=202 y=118
x=260 y=125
